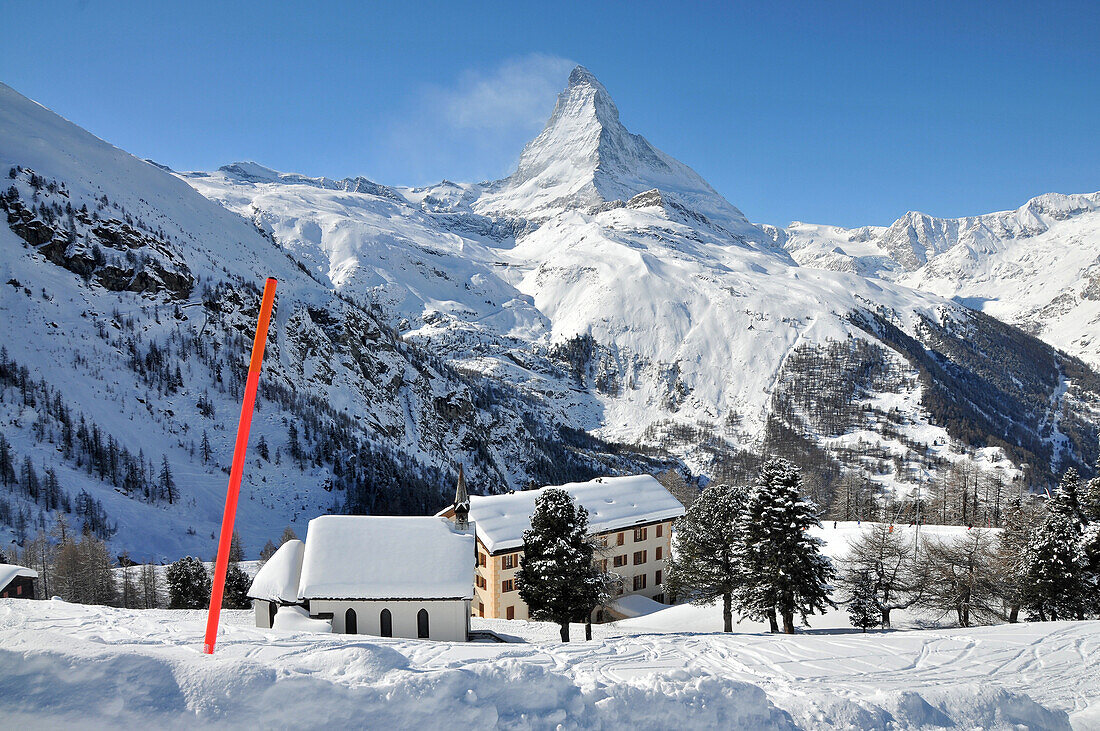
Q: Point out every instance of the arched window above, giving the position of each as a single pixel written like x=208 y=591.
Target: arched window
x=422 y=624
x=351 y=627
x=385 y=623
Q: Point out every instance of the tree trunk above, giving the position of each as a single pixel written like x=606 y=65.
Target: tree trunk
x=727 y=612
x=1014 y=614
x=588 y=630
x=774 y=625
x=788 y=621
x=886 y=617
x=565 y=632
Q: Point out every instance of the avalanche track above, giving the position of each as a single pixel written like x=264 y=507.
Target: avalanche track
x=102 y=667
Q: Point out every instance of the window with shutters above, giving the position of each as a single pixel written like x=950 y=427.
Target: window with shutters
x=510 y=561
x=640 y=534
x=618 y=561
x=639 y=582
x=481 y=559
x=659 y=553
x=621 y=539
x=657 y=579
x=639 y=557
x=507 y=585
x=660 y=529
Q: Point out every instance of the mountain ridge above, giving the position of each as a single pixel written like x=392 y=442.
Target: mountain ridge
x=466 y=323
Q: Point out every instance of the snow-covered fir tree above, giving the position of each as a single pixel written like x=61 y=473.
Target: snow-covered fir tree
x=237 y=583
x=1092 y=498
x=785 y=571
x=862 y=589
x=1090 y=554
x=188 y=584
x=1056 y=571
x=557 y=578
x=704 y=566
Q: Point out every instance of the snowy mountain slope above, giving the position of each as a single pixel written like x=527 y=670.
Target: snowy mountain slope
x=129 y=301
x=1037 y=267
x=684 y=326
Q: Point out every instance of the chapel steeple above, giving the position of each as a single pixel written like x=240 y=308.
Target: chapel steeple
x=462 y=502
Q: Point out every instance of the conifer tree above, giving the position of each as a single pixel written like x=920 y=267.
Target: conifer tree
x=150 y=586
x=167 y=484
x=7 y=462
x=862 y=601
x=704 y=566
x=1055 y=578
x=288 y=535
x=785 y=571
x=237 y=585
x=128 y=588
x=188 y=584
x=267 y=551
x=557 y=578
x=1092 y=498
x=236 y=548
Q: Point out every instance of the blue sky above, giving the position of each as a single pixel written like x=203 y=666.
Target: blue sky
x=832 y=112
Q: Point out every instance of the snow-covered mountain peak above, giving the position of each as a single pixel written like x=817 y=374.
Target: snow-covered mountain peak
x=585 y=97
x=585 y=157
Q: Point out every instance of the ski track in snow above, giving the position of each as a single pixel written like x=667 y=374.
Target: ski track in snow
x=1041 y=675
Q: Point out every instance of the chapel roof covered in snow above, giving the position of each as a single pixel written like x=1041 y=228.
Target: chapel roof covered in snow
x=612 y=502
x=277 y=580
x=381 y=557
x=9 y=572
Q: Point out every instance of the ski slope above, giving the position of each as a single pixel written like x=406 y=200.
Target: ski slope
x=100 y=667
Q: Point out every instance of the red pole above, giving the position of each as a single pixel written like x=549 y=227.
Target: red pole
x=222 y=564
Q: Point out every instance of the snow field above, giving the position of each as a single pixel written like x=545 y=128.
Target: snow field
x=97 y=667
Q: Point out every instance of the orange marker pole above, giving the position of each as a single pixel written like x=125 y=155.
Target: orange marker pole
x=245 y=423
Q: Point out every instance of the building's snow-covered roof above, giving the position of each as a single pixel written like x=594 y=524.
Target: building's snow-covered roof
x=9 y=571
x=277 y=580
x=612 y=502
x=376 y=557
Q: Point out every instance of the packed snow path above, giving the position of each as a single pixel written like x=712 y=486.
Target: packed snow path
x=98 y=666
